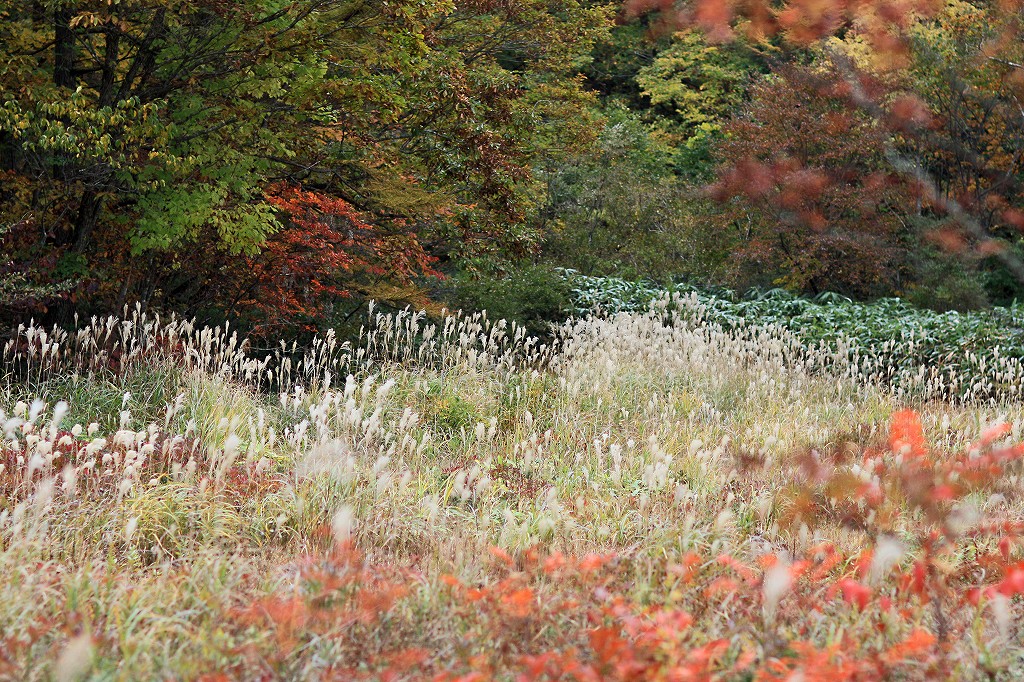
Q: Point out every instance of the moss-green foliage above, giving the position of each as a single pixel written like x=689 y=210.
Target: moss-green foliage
x=621 y=210
x=1001 y=286
x=949 y=282
x=532 y=295
x=680 y=85
x=697 y=82
x=632 y=205
x=447 y=412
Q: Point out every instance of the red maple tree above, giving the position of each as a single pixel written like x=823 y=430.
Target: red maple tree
x=325 y=251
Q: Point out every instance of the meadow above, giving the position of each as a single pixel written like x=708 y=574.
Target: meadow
x=648 y=495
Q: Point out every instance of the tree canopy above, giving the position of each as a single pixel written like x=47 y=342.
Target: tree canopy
x=278 y=162
x=138 y=135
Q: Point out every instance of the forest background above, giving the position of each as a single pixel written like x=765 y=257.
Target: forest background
x=279 y=164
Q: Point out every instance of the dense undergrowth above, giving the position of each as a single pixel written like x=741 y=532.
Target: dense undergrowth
x=652 y=496
x=966 y=354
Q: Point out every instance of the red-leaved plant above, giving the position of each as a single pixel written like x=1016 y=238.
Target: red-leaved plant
x=917 y=568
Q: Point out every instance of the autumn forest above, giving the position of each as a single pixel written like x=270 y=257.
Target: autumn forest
x=281 y=164
x=526 y=340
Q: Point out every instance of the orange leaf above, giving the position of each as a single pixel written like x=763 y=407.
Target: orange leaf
x=916 y=643
x=501 y=555
x=906 y=432
x=518 y=604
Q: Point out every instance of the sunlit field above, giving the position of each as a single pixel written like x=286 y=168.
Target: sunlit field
x=645 y=497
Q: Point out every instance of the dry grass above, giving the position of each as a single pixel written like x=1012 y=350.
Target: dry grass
x=647 y=499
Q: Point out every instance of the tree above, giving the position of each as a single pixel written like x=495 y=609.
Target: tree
x=620 y=210
x=500 y=95
x=18 y=291
x=810 y=204
x=694 y=87
x=952 y=109
x=960 y=149
x=138 y=134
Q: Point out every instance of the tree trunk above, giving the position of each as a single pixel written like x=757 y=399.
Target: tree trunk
x=110 y=55
x=64 y=48
x=85 y=220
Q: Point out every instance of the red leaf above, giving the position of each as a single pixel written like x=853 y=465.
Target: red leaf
x=855 y=593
